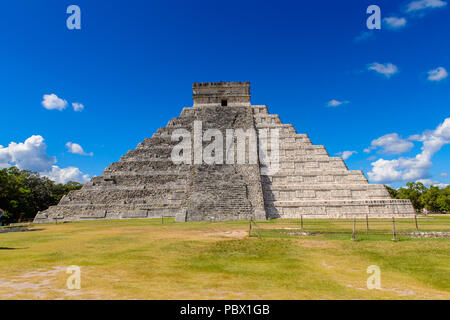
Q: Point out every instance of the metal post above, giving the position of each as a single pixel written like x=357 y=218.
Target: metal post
x=367 y=222
x=354 y=230
x=301 y=222
x=417 y=226
x=250 y=228
x=162 y=219
x=393 y=229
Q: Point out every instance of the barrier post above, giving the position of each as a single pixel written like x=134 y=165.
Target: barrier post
x=354 y=230
x=393 y=229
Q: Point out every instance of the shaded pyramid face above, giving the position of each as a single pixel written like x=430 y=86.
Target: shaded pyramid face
x=149 y=182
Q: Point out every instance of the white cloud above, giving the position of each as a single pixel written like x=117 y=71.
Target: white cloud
x=444 y=174
x=75 y=148
x=52 y=102
x=64 y=175
x=390 y=144
x=363 y=36
x=336 y=103
x=385 y=171
x=77 y=106
x=394 y=22
x=437 y=74
x=346 y=154
x=386 y=69
x=415 y=137
x=32 y=155
x=411 y=169
x=425 y=4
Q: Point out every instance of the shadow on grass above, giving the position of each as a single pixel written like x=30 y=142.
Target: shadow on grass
x=6 y=230
x=7 y=248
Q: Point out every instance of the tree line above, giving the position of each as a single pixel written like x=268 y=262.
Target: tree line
x=23 y=193
x=433 y=199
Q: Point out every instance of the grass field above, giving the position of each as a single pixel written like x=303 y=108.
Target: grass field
x=145 y=259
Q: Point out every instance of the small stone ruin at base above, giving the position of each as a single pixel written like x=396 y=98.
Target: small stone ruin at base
x=146 y=183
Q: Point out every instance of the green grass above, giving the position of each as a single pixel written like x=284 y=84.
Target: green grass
x=144 y=259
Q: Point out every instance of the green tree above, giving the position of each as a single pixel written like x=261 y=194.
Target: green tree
x=443 y=201
x=23 y=193
x=413 y=191
x=428 y=199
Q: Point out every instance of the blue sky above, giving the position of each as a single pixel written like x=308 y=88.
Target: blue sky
x=133 y=62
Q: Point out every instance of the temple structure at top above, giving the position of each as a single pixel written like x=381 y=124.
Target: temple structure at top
x=221 y=94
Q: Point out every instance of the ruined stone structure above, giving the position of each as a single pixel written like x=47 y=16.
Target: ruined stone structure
x=146 y=183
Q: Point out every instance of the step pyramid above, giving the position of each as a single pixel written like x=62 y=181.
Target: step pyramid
x=148 y=183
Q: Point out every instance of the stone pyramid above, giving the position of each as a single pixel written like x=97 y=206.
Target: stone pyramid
x=147 y=183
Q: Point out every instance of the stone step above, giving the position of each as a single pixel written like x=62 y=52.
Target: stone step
x=340 y=208
x=324 y=186
x=305 y=194
x=315 y=172
x=335 y=202
x=291 y=157
x=147 y=166
x=299 y=164
x=289 y=127
x=317 y=180
x=150 y=173
x=112 y=196
x=173 y=187
x=311 y=160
